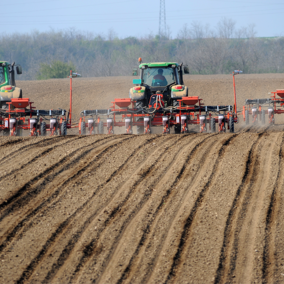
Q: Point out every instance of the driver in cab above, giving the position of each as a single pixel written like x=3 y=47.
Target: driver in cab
x=159 y=79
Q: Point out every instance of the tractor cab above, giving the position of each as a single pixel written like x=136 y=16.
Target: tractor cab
x=162 y=77
x=8 y=89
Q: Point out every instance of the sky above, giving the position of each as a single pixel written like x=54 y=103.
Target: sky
x=138 y=18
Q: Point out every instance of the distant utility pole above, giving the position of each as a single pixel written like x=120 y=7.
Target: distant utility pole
x=162 y=24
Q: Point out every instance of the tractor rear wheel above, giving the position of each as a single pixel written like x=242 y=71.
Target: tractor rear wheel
x=262 y=116
x=247 y=117
x=83 y=128
x=42 y=129
x=213 y=125
x=101 y=127
x=231 y=124
x=63 y=128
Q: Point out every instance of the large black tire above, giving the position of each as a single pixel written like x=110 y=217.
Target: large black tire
x=231 y=124
x=177 y=128
x=247 y=117
x=139 y=128
x=262 y=117
x=63 y=128
x=83 y=128
x=43 y=129
x=213 y=125
x=101 y=127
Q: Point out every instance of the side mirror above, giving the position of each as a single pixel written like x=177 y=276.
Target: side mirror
x=186 y=69
x=137 y=81
x=134 y=72
x=19 y=69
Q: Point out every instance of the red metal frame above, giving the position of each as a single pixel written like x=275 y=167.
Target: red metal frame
x=20 y=110
x=276 y=104
x=186 y=107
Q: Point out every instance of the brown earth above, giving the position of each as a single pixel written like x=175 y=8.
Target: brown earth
x=194 y=208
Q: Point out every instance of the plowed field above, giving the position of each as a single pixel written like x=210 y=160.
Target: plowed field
x=194 y=208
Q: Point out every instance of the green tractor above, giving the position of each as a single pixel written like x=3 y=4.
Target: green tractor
x=8 y=89
x=163 y=78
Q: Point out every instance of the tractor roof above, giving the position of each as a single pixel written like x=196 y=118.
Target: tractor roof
x=158 y=64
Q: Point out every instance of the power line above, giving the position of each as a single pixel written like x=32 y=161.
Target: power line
x=162 y=23
x=151 y=18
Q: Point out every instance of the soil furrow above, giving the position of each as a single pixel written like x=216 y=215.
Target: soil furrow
x=269 y=250
x=226 y=254
x=13 y=141
x=151 y=171
x=76 y=175
x=55 y=193
x=26 y=191
x=192 y=174
x=32 y=143
x=233 y=256
x=81 y=209
x=31 y=158
x=276 y=241
x=249 y=261
x=187 y=229
x=73 y=239
x=167 y=191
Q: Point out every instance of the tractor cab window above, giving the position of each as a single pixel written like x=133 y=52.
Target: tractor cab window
x=158 y=76
x=2 y=75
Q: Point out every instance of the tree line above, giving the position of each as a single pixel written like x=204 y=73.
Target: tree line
x=204 y=50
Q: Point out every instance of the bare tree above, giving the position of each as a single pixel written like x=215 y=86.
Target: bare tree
x=184 y=33
x=226 y=28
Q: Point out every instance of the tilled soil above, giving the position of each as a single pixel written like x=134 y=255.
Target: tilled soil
x=193 y=208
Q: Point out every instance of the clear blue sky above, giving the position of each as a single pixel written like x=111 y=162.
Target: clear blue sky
x=138 y=17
